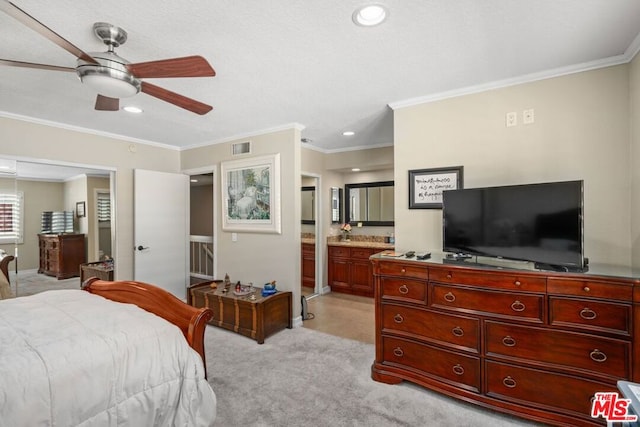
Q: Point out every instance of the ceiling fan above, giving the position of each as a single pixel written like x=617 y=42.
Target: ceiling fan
x=111 y=76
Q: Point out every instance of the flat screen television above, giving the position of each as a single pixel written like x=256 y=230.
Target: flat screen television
x=541 y=223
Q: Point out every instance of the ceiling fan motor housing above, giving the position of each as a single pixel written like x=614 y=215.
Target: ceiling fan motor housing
x=110 y=77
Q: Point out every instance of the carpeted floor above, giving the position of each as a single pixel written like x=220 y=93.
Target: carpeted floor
x=30 y=282
x=302 y=377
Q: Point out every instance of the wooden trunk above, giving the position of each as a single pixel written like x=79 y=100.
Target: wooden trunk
x=256 y=319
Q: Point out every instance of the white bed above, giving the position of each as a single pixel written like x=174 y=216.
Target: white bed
x=72 y=358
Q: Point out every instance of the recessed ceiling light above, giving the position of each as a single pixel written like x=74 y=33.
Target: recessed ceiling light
x=370 y=15
x=355 y=170
x=132 y=109
x=348 y=133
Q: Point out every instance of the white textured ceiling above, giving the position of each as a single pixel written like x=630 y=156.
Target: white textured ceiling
x=304 y=61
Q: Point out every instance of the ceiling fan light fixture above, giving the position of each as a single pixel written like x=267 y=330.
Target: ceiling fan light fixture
x=109 y=82
x=132 y=109
x=370 y=15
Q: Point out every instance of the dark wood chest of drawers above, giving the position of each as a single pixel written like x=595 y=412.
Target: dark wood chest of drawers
x=535 y=344
x=61 y=254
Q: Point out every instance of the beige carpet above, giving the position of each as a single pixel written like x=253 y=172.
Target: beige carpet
x=302 y=378
x=30 y=282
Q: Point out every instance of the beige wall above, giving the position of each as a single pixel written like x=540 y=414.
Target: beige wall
x=634 y=83
x=201 y=211
x=93 y=241
x=260 y=257
x=50 y=144
x=39 y=196
x=581 y=131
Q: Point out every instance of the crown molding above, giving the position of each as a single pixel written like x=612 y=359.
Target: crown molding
x=631 y=51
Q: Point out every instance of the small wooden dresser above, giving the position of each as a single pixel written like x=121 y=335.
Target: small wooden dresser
x=61 y=254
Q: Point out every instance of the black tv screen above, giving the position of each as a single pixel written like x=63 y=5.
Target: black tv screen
x=541 y=223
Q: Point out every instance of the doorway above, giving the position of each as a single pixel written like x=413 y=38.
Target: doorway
x=311 y=236
x=202 y=259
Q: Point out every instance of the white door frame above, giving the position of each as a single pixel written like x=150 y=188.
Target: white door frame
x=319 y=230
x=212 y=170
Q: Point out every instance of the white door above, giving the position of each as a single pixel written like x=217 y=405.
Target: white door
x=161 y=229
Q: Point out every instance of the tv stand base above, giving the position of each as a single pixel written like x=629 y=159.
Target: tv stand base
x=561 y=268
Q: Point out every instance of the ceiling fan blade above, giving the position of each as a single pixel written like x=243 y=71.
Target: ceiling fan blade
x=34 y=65
x=188 y=66
x=176 y=99
x=31 y=22
x=104 y=103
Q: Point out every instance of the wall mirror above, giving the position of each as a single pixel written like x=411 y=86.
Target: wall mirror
x=308 y=205
x=336 y=202
x=370 y=203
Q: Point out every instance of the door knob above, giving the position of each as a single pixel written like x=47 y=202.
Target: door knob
x=140 y=248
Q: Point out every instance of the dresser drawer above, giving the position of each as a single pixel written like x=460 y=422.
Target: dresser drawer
x=590 y=288
x=457 y=332
x=501 y=304
x=542 y=390
x=596 y=316
x=571 y=350
x=338 y=251
x=456 y=369
x=512 y=282
x=398 y=269
x=362 y=253
x=404 y=290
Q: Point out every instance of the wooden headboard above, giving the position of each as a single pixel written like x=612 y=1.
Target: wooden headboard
x=4 y=264
x=191 y=321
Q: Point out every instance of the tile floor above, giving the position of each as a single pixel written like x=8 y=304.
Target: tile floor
x=343 y=315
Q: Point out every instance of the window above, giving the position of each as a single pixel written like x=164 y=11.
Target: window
x=104 y=207
x=11 y=217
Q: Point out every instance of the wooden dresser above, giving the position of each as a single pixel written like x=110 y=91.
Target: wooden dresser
x=530 y=343
x=61 y=254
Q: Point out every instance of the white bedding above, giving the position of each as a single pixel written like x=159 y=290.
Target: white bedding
x=71 y=358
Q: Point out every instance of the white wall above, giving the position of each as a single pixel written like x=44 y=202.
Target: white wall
x=634 y=101
x=260 y=257
x=28 y=140
x=581 y=131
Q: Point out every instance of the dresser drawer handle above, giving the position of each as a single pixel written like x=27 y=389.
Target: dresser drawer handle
x=517 y=306
x=588 y=314
x=598 y=356
x=509 y=382
x=449 y=297
x=398 y=352
x=398 y=318
x=586 y=289
x=517 y=283
x=449 y=276
x=403 y=289
x=509 y=341
x=457 y=331
x=403 y=271
x=458 y=370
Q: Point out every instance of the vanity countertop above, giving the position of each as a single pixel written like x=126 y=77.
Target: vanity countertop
x=307 y=240
x=362 y=244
